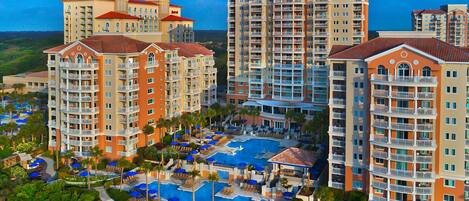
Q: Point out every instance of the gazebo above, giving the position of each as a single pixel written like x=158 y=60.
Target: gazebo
x=293 y=164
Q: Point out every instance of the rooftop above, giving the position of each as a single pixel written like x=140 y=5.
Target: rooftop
x=40 y=74
x=143 y=2
x=175 y=18
x=431 y=46
x=116 y=15
x=294 y=156
x=186 y=49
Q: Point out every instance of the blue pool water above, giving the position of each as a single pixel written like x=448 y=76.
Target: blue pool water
x=251 y=153
x=204 y=193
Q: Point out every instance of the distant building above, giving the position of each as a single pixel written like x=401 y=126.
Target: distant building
x=104 y=89
x=33 y=82
x=146 y=20
x=450 y=23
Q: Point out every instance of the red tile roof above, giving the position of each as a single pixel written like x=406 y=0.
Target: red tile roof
x=116 y=15
x=295 y=156
x=173 y=5
x=41 y=74
x=435 y=11
x=108 y=44
x=175 y=18
x=186 y=49
x=143 y=2
x=432 y=46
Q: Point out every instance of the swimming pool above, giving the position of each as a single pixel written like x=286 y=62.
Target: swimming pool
x=249 y=152
x=204 y=193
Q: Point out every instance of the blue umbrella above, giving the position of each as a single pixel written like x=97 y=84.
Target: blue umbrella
x=213 y=142
x=152 y=191
x=204 y=147
x=242 y=165
x=33 y=165
x=189 y=158
x=194 y=152
x=288 y=194
x=76 y=165
x=258 y=168
x=218 y=132
x=251 y=182
x=135 y=194
x=208 y=137
x=187 y=131
x=131 y=173
x=210 y=160
x=141 y=186
x=179 y=170
x=177 y=135
x=34 y=174
x=184 y=144
x=112 y=164
x=39 y=160
x=197 y=126
x=83 y=174
x=16 y=117
x=173 y=199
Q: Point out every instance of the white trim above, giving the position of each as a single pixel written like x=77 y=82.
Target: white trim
x=76 y=43
x=155 y=46
x=440 y=61
x=338 y=59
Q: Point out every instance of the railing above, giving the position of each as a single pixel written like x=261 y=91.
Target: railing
x=78 y=65
x=338 y=157
x=380 y=185
x=423 y=190
x=401 y=157
x=404 y=80
x=400 y=188
x=424 y=159
x=127 y=65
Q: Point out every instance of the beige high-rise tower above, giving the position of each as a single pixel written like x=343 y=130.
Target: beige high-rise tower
x=277 y=52
x=145 y=20
x=450 y=23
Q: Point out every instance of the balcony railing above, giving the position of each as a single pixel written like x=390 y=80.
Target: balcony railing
x=431 y=81
x=84 y=66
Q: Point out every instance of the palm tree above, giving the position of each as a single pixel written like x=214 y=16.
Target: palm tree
x=68 y=155
x=210 y=114
x=194 y=174
x=148 y=130
x=123 y=163
x=160 y=124
x=96 y=154
x=18 y=87
x=10 y=109
x=213 y=177
x=175 y=122
x=88 y=162
x=158 y=170
x=187 y=119
x=147 y=167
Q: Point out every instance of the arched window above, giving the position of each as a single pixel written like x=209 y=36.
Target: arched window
x=106 y=29
x=151 y=58
x=426 y=71
x=403 y=70
x=382 y=70
x=117 y=27
x=80 y=59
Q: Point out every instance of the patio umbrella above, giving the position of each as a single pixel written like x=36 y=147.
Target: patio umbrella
x=131 y=173
x=194 y=152
x=177 y=135
x=33 y=165
x=213 y=142
x=208 y=137
x=288 y=194
x=197 y=126
x=152 y=191
x=204 y=147
x=242 y=165
x=187 y=131
x=174 y=143
x=135 y=194
x=258 y=167
x=218 y=132
x=141 y=186
x=210 y=160
x=184 y=144
x=33 y=174
x=173 y=199
x=251 y=182
x=112 y=164
x=76 y=165
x=83 y=174
x=189 y=158
x=179 y=170
x=39 y=160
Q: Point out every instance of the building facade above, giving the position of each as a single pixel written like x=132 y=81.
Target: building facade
x=33 y=81
x=450 y=23
x=139 y=19
x=104 y=89
x=277 y=52
x=410 y=96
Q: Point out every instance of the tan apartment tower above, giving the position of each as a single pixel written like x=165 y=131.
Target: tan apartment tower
x=145 y=20
x=450 y=23
x=398 y=118
x=277 y=51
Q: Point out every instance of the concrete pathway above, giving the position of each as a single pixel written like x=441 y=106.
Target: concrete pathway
x=103 y=194
x=50 y=166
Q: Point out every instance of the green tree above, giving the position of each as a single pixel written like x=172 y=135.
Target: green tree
x=68 y=155
x=325 y=193
x=123 y=163
x=161 y=124
x=211 y=113
x=148 y=130
x=18 y=87
x=10 y=109
x=96 y=155
x=88 y=163
x=147 y=167
x=18 y=173
x=213 y=177
x=356 y=196
x=194 y=174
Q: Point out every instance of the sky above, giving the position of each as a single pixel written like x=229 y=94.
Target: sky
x=46 y=15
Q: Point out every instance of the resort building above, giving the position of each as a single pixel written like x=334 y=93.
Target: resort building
x=277 y=51
x=398 y=118
x=104 y=89
x=145 y=20
x=450 y=23
x=32 y=81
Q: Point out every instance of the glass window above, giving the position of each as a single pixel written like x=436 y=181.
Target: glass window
x=426 y=72
x=403 y=70
x=382 y=70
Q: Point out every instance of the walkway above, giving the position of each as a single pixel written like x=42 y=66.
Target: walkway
x=103 y=194
x=50 y=166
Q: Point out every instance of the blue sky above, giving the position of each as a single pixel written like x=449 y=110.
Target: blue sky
x=45 y=15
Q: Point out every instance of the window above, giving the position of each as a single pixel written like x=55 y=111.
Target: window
x=150 y=101
x=108 y=127
x=108 y=149
x=108 y=138
x=80 y=59
x=426 y=72
x=108 y=94
x=108 y=105
x=150 y=80
x=449 y=183
x=150 y=70
x=151 y=59
x=403 y=70
x=150 y=111
x=108 y=117
x=448 y=198
x=382 y=70
x=150 y=90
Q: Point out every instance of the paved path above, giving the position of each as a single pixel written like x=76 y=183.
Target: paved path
x=103 y=194
x=50 y=166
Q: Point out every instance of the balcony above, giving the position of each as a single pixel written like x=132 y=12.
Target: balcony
x=127 y=110
x=401 y=157
x=128 y=76
x=336 y=157
x=400 y=188
x=380 y=185
x=404 y=81
x=128 y=88
x=127 y=66
x=337 y=131
x=85 y=111
x=337 y=102
x=128 y=98
x=78 y=88
x=339 y=171
x=82 y=66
